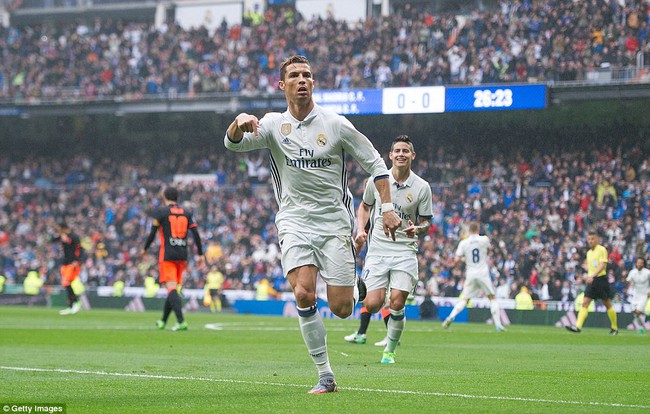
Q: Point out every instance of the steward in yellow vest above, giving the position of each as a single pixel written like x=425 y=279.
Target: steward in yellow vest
x=33 y=283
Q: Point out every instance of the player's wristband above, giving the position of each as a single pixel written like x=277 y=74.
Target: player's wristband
x=387 y=207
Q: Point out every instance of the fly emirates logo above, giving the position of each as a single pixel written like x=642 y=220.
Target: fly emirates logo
x=307 y=161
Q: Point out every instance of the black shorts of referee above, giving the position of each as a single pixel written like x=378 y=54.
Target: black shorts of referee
x=599 y=288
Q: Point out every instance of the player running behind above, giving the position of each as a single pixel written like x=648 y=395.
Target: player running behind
x=639 y=278
x=474 y=251
x=393 y=265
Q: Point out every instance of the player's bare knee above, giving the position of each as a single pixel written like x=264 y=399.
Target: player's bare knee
x=304 y=297
x=341 y=310
x=373 y=306
x=344 y=314
x=397 y=304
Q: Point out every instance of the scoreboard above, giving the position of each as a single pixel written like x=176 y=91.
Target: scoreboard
x=433 y=99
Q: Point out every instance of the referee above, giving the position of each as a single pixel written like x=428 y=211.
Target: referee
x=597 y=284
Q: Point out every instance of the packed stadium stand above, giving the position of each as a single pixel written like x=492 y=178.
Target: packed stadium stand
x=513 y=41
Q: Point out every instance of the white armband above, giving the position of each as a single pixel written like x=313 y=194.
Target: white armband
x=387 y=207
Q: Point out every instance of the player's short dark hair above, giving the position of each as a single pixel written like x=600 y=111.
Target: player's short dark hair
x=288 y=61
x=61 y=223
x=171 y=193
x=597 y=233
x=642 y=258
x=402 y=138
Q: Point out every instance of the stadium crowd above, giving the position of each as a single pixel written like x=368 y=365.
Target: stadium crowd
x=537 y=208
x=519 y=41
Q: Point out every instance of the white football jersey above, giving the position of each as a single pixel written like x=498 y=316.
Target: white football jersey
x=474 y=250
x=411 y=200
x=641 y=280
x=307 y=160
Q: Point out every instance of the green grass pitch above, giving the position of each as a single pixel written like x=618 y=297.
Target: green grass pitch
x=111 y=361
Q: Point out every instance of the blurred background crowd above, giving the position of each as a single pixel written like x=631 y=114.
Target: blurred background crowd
x=537 y=207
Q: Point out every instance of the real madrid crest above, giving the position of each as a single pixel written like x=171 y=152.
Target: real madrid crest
x=285 y=129
x=409 y=198
x=321 y=140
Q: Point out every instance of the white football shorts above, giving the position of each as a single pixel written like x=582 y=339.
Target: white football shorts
x=332 y=255
x=639 y=302
x=398 y=272
x=474 y=285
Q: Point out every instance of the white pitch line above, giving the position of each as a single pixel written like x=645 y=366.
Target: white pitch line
x=278 y=384
x=82 y=328
x=237 y=326
x=226 y=326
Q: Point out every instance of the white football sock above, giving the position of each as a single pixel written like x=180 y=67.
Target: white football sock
x=315 y=337
x=457 y=309
x=396 y=323
x=495 y=310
